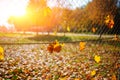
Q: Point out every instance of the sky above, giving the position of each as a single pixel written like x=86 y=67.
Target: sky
x=11 y=8
x=18 y=8
x=69 y=3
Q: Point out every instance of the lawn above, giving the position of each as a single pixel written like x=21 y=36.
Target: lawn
x=35 y=62
x=45 y=38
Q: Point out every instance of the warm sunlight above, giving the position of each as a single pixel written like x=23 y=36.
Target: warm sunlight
x=11 y=8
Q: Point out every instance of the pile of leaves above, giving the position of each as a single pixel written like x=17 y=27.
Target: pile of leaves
x=86 y=61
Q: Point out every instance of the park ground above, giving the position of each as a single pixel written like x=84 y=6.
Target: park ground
x=27 y=57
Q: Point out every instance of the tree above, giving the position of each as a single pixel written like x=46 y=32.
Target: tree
x=43 y=16
x=21 y=23
x=98 y=9
x=35 y=11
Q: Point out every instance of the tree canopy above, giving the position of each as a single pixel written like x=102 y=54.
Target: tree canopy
x=81 y=19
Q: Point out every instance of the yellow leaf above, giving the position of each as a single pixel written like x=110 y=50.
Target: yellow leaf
x=109 y=22
x=77 y=79
x=82 y=45
x=1 y=50
x=1 y=53
x=47 y=11
x=93 y=73
x=97 y=58
x=1 y=57
x=62 y=44
x=68 y=29
x=64 y=78
x=114 y=77
x=107 y=17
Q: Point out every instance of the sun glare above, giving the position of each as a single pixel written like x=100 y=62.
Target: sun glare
x=11 y=8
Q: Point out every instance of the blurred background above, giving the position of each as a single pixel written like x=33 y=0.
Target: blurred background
x=60 y=17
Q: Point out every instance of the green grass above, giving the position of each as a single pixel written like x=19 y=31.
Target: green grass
x=44 y=38
x=14 y=35
x=19 y=37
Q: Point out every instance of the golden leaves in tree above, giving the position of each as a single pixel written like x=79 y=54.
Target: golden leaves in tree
x=82 y=45
x=68 y=29
x=107 y=18
x=97 y=58
x=1 y=53
x=109 y=22
x=94 y=29
x=55 y=46
x=115 y=37
x=47 y=11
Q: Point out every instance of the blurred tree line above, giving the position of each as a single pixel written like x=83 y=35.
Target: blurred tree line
x=40 y=17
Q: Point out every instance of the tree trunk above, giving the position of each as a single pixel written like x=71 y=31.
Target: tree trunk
x=64 y=33
x=48 y=33
x=37 y=33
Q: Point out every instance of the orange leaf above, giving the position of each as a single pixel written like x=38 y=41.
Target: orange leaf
x=114 y=77
x=82 y=45
x=55 y=46
x=111 y=24
x=94 y=29
x=50 y=48
x=77 y=79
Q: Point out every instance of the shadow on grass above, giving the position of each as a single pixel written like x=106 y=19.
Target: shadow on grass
x=115 y=43
x=50 y=38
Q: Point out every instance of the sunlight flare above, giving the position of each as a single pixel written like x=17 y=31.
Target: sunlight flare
x=11 y=8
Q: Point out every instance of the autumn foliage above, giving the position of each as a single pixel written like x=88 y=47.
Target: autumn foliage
x=54 y=47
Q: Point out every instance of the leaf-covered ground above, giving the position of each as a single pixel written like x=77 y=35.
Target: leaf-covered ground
x=34 y=62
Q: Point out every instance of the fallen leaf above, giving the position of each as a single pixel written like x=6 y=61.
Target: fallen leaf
x=82 y=45
x=114 y=77
x=50 y=48
x=55 y=46
x=97 y=58
x=63 y=78
x=77 y=79
x=93 y=73
x=1 y=53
